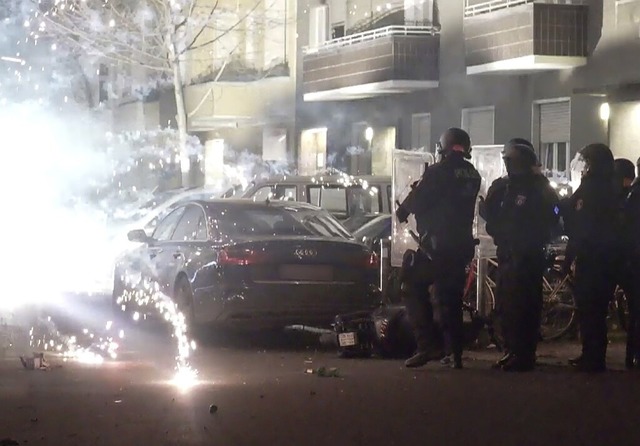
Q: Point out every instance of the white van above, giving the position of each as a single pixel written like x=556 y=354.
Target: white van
x=354 y=200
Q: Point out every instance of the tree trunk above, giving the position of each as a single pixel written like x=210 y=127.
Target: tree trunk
x=181 y=120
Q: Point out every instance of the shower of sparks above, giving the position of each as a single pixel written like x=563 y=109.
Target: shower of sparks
x=145 y=294
x=45 y=336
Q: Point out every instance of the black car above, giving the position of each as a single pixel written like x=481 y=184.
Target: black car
x=247 y=264
x=375 y=230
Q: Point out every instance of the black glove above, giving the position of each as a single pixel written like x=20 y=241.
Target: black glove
x=403 y=214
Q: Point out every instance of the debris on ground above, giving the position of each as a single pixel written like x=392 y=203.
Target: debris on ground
x=213 y=409
x=37 y=362
x=324 y=372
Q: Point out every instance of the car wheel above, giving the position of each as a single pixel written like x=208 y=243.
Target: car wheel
x=184 y=300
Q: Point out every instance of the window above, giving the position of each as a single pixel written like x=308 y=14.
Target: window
x=318 y=25
x=202 y=233
x=190 y=226
x=421 y=131
x=167 y=226
x=331 y=198
x=278 y=221
x=337 y=31
x=556 y=159
x=627 y=14
x=363 y=201
x=277 y=192
x=418 y=12
x=479 y=123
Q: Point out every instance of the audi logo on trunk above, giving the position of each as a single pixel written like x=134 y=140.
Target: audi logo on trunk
x=300 y=253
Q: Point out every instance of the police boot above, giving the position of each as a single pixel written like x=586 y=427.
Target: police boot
x=520 y=363
x=629 y=361
x=574 y=362
x=422 y=357
x=591 y=366
x=502 y=361
x=457 y=361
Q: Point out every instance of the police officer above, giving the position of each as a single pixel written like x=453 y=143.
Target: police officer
x=625 y=174
x=443 y=203
x=521 y=211
x=591 y=224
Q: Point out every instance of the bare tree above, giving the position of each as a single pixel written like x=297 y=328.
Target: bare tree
x=156 y=35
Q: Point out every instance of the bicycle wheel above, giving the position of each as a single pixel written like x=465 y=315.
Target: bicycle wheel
x=558 y=306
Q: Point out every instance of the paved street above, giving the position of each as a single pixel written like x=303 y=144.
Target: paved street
x=264 y=397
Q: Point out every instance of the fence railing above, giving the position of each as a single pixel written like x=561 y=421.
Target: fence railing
x=352 y=39
x=495 y=5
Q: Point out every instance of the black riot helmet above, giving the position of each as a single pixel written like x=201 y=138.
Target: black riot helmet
x=598 y=161
x=454 y=140
x=624 y=171
x=519 y=157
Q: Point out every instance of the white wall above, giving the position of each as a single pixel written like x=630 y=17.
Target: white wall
x=624 y=130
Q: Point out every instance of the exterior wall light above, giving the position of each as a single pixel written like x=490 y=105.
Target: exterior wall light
x=368 y=134
x=605 y=111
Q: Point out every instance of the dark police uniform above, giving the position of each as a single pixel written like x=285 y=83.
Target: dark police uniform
x=521 y=214
x=591 y=224
x=631 y=271
x=443 y=203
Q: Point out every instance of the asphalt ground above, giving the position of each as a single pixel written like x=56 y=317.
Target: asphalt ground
x=262 y=394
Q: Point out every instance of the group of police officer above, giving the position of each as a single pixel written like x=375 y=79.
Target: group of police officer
x=522 y=212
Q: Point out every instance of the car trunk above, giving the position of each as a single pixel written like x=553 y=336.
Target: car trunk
x=299 y=260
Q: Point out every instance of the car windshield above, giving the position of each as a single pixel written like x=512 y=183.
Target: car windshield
x=373 y=228
x=278 y=221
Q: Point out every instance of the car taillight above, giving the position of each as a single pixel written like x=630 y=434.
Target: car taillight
x=373 y=261
x=234 y=256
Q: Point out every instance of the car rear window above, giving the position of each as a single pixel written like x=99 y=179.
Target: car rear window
x=281 y=221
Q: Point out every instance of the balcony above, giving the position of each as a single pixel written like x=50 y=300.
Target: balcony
x=524 y=36
x=389 y=60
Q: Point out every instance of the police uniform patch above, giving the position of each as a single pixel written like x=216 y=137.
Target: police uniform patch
x=521 y=200
x=579 y=204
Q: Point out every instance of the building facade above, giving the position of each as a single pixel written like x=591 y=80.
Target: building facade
x=240 y=85
x=382 y=74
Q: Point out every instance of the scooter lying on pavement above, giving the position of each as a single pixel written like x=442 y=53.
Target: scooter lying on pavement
x=386 y=331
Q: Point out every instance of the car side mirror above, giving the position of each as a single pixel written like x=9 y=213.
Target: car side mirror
x=139 y=236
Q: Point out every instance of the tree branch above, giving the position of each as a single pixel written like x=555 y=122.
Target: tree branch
x=204 y=26
x=228 y=30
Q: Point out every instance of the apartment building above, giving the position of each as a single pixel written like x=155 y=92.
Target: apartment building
x=240 y=84
x=384 y=74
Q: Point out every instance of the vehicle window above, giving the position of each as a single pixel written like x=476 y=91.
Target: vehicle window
x=166 y=227
x=202 y=229
x=277 y=192
x=380 y=227
x=188 y=228
x=331 y=198
x=363 y=201
x=154 y=222
x=278 y=221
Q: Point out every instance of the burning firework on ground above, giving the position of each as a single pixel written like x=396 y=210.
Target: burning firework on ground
x=146 y=295
x=87 y=347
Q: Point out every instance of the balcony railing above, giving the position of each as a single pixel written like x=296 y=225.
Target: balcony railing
x=373 y=34
x=496 y=5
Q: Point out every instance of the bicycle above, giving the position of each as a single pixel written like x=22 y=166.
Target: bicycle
x=558 y=311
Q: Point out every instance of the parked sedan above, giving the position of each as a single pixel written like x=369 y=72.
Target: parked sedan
x=246 y=264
